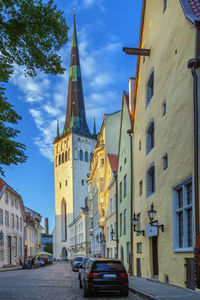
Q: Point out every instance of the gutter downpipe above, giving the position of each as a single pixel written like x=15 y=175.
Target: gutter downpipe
x=194 y=64
x=131 y=204
x=117 y=241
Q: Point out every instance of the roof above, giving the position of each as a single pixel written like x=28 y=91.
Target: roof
x=113 y=160
x=2 y=184
x=191 y=9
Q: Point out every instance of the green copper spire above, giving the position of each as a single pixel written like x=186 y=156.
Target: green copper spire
x=94 y=128
x=75 y=115
x=58 y=134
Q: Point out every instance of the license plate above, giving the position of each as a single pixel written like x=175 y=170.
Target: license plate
x=109 y=276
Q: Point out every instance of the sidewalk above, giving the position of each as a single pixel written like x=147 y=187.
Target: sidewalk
x=10 y=269
x=160 y=291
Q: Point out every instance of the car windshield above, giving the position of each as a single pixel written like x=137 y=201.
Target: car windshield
x=78 y=259
x=108 y=266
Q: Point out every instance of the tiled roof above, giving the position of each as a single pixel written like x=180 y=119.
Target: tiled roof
x=113 y=159
x=191 y=9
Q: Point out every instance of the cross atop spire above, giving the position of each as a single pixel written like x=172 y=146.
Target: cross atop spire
x=75 y=116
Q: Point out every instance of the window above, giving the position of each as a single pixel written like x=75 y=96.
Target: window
x=164 y=108
x=139 y=247
x=182 y=215
x=7 y=218
x=63 y=158
x=111 y=210
x=20 y=246
x=150 y=88
x=21 y=223
x=164 y=5
x=150 y=180
x=56 y=158
x=120 y=229
x=140 y=188
x=59 y=159
x=6 y=197
x=91 y=222
x=125 y=160
x=140 y=145
x=86 y=156
x=128 y=252
x=111 y=252
x=25 y=232
x=12 y=221
x=1 y=216
x=60 y=185
x=16 y=203
x=138 y=223
x=15 y=246
x=120 y=192
x=82 y=182
x=65 y=155
x=165 y=162
x=81 y=155
x=17 y=222
x=125 y=217
x=150 y=137
x=68 y=154
x=125 y=186
x=107 y=232
x=91 y=156
x=111 y=230
x=66 y=182
x=12 y=200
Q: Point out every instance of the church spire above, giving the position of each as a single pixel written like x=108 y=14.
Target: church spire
x=94 y=129
x=75 y=116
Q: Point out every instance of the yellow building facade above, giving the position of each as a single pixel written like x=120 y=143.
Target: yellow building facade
x=163 y=146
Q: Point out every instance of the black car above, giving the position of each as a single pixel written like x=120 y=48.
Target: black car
x=81 y=269
x=76 y=264
x=104 y=275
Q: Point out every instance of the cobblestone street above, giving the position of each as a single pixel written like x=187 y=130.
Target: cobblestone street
x=54 y=282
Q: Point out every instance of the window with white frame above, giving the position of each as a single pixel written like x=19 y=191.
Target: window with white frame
x=150 y=137
x=111 y=209
x=182 y=216
x=12 y=221
x=120 y=229
x=1 y=216
x=111 y=230
x=17 y=222
x=125 y=218
x=107 y=234
x=12 y=200
x=120 y=192
x=150 y=180
x=125 y=185
x=15 y=246
x=150 y=87
x=6 y=197
x=7 y=218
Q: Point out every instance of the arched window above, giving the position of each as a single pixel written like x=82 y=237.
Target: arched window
x=59 y=159
x=63 y=221
x=56 y=161
x=150 y=137
x=68 y=154
x=65 y=155
x=81 y=155
x=86 y=156
x=150 y=180
x=63 y=158
x=150 y=87
x=91 y=154
x=75 y=153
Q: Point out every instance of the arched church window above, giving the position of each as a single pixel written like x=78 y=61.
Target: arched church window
x=63 y=159
x=68 y=154
x=75 y=153
x=59 y=159
x=65 y=155
x=81 y=155
x=91 y=154
x=86 y=156
x=63 y=221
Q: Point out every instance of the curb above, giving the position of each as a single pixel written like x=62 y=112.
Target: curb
x=9 y=270
x=142 y=293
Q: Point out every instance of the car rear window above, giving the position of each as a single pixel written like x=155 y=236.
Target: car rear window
x=108 y=266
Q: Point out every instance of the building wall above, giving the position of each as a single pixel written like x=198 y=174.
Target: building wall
x=171 y=40
x=30 y=241
x=124 y=169
x=13 y=207
x=70 y=174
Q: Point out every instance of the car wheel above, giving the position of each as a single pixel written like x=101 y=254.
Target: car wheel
x=86 y=293
x=124 y=293
x=80 y=284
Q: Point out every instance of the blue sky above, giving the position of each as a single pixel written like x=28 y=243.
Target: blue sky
x=103 y=28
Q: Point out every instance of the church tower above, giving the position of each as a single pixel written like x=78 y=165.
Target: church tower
x=72 y=153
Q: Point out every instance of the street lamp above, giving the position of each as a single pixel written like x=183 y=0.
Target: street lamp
x=135 y=223
x=151 y=214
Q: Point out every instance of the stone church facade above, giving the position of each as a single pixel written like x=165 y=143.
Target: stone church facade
x=72 y=154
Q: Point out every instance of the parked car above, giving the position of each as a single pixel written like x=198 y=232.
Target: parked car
x=81 y=269
x=40 y=262
x=76 y=263
x=103 y=274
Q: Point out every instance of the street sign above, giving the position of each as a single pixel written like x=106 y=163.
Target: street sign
x=152 y=230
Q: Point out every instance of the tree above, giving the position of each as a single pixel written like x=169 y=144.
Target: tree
x=31 y=34
x=48 y=247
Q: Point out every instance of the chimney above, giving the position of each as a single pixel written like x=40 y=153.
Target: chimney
x=131 y=93
x=46 y=226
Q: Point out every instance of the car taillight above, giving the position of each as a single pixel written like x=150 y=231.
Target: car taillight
x=124 y=275
x=93 y=275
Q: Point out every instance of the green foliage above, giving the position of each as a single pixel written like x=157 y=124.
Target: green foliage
x=31 y=34
x=47 y=235
x=49 y=247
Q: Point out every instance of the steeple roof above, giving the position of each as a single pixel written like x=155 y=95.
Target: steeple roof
x=75 y=116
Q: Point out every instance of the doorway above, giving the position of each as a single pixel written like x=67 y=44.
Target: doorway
x=138 y=264
x=155 y=255
x=9 y=250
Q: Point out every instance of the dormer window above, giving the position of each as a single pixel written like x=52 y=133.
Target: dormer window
x=150 y=88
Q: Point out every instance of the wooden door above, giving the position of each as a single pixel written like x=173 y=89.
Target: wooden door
x=9 y=250
x=138 y=263
x=155 y=255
